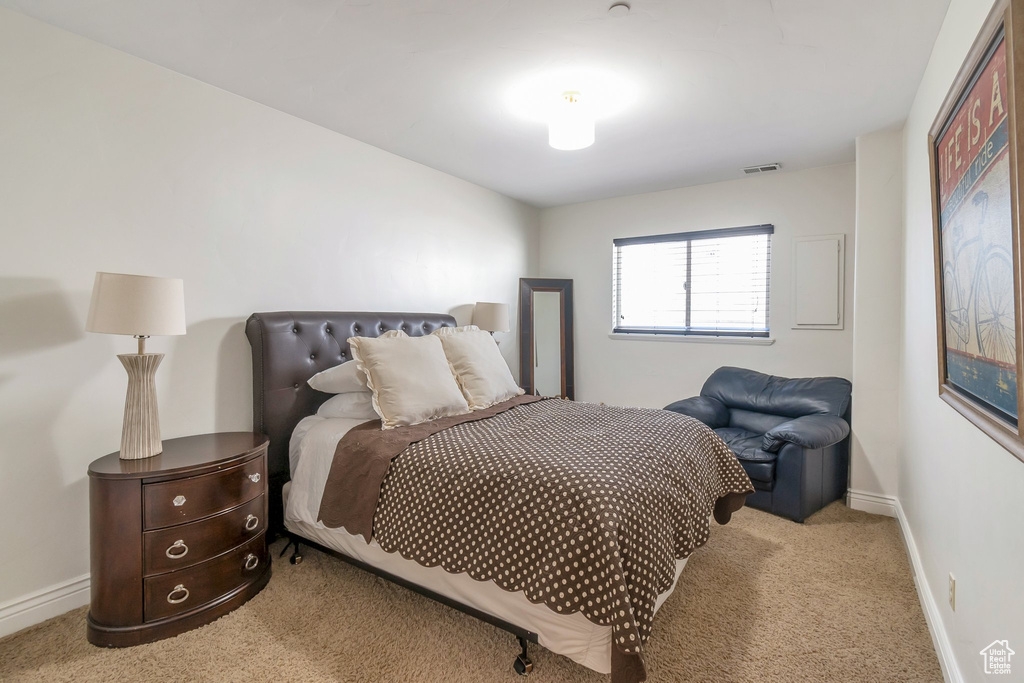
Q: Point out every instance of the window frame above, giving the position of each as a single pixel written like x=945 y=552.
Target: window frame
x=691 y=236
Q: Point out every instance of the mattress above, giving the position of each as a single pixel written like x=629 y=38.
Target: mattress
x=311 y=452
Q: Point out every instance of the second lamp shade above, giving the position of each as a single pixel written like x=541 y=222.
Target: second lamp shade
x=491 y=317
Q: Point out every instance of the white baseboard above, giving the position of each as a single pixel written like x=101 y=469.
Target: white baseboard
x=42 y=605
x=940 y=639
x=874 y=503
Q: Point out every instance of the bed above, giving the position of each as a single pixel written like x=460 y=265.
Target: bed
x=290 y=347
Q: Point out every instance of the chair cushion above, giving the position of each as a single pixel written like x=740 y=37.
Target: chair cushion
x=745 y=444
x=759 y=464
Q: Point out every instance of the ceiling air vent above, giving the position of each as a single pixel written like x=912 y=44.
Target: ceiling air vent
x=762 y=168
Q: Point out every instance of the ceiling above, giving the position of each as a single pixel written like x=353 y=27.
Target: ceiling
x=721 y=84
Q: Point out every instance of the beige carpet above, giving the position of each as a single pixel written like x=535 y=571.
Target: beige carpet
x=765 y=600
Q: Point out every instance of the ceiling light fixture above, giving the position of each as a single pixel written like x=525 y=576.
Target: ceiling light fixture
x=571 y=125
x=569 y=101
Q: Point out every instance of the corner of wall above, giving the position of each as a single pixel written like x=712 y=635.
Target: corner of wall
x=876 y=313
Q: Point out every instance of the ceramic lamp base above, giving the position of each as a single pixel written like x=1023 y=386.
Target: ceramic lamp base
x=140 y=435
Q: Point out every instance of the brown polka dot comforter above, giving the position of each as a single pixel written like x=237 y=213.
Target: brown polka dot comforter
x=582 y=507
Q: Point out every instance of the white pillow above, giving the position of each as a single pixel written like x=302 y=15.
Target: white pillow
x=341 y=379
x=355 y=405
x=481 y=371
x=410 y=378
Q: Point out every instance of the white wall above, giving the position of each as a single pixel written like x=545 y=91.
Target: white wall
x=110 y=163
x=961 y=492
x=576 y=242
x=876 y=304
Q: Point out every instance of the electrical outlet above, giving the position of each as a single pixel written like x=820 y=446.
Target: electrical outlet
x=952 y=591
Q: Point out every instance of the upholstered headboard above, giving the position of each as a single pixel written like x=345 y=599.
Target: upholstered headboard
x=289 y=347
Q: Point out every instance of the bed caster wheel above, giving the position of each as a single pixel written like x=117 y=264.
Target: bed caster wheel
x=522 y=665
x=295 y=559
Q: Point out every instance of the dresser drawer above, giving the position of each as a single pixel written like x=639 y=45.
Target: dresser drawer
x=177 y=592
x=182 y=546
x=186 y=500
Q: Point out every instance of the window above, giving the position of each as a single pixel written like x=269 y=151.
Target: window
x=708 y=282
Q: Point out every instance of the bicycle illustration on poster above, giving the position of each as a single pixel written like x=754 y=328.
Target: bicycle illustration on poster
x=974 y=158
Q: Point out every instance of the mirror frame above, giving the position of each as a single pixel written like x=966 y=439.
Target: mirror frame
x=527 y=286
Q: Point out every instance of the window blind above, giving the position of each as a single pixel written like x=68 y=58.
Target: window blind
x=706 y=282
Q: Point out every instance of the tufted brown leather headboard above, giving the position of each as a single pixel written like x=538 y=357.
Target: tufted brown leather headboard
x=289 y=347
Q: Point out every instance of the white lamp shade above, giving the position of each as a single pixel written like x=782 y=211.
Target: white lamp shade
x=491 y=317
x=137 y=305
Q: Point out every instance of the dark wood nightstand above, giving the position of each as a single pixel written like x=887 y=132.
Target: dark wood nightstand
x=178 y=539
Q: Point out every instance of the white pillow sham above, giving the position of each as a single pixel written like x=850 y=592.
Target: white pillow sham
x=354 y=405
x=479 y=367
x=410 y=378
x=341 y=379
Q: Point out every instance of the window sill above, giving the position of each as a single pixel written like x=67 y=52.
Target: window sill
x=693 y=339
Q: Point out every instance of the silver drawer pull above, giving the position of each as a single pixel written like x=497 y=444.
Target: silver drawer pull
x=177 y=550
x=254 y=478
x=251 y=561
x=178 y=501
x=180 y=590
x=251 y=522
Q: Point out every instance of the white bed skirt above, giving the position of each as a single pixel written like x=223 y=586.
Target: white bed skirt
x=571 y=635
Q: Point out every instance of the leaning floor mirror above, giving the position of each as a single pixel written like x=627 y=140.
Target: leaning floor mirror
x=545 y=337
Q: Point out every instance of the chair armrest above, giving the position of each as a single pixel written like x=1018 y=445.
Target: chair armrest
x=809 y=431
x=710 y=411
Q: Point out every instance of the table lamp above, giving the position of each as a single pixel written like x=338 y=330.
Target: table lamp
x=491 y=317
x=142 y=307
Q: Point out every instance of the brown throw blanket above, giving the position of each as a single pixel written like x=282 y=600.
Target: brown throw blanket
x=582 y=507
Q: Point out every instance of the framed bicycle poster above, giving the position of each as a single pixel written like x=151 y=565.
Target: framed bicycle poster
x=974 y=151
